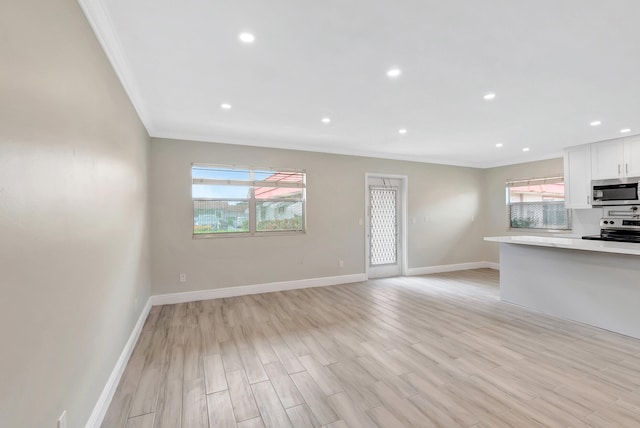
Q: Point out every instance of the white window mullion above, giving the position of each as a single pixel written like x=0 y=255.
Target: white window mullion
x=253 y=215
x=252 y=204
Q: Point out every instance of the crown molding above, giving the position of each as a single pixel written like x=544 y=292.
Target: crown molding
x=283 y=144
x=102 y=25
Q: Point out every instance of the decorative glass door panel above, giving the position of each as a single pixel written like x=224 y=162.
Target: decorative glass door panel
x=383 y=226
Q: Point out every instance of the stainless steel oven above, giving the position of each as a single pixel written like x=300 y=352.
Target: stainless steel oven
x=619 y=191
x=620 y=224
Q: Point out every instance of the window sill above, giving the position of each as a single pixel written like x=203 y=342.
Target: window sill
x=247 y=234
x=532 y=230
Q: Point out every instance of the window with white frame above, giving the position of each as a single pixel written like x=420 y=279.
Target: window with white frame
x=537 y=203
x=245 y=201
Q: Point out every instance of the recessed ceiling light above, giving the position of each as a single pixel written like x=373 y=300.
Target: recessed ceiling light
x=394 y=72
x=225 y=106
x=625 y=130
x=526 y=149
x=489 y=96
x=402 y=131
x=326 y=120
x=595 y=123
x=498 y=144
x=247 y=37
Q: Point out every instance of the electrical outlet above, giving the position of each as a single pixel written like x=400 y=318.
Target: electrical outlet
x=341 y=263
x=62 y=420
x=183 y=277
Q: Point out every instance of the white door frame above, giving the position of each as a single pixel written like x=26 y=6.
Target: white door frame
x=404 y=185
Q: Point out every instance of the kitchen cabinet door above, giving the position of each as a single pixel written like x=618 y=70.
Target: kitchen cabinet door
x=607 y=160
x=632 y=156
x=577 y=177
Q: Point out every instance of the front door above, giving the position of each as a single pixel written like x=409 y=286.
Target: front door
x=384 y=227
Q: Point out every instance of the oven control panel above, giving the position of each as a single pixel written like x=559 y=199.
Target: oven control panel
x=620 y=223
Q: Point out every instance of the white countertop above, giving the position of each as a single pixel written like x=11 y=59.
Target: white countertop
x=570 y=243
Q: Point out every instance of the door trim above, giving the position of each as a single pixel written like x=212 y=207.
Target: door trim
x=404 y=192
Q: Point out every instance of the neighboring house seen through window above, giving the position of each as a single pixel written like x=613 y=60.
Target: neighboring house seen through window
x=241 y=201
x=537 y=204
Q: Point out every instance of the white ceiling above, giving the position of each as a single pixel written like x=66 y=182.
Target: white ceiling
x=555 y=66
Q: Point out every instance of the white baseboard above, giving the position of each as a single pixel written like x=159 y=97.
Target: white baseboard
x=109 y=390
x=218 y=293
x=450 y=268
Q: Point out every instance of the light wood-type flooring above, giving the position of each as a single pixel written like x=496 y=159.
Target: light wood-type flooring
x=438 y=350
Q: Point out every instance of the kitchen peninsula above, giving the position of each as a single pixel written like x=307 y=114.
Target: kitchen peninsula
x=593 y=282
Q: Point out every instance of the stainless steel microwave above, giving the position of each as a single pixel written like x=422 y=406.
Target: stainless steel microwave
x=618 y=191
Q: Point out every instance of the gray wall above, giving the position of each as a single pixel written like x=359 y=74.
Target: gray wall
x=449 y=196
x=73 y=215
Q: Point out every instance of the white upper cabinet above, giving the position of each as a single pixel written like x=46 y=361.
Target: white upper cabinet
x=607 y=160
x=616 y=159
x=577 y=177
x=632 y=156
x=619 y=158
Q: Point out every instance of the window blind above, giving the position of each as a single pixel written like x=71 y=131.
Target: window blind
x=535 y=181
